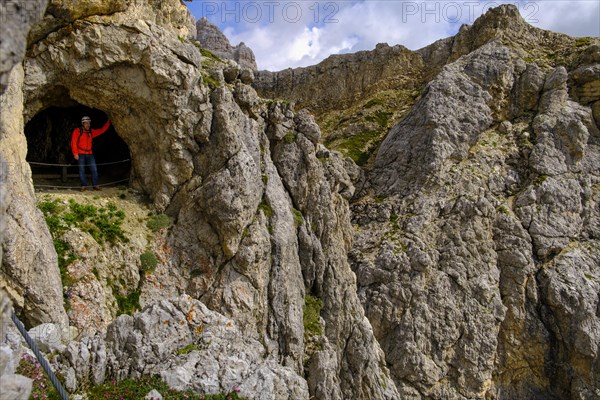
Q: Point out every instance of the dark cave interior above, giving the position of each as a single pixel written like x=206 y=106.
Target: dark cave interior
x=48 y=136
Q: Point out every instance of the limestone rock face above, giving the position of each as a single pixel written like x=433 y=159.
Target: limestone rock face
x=334 y=83
x=169 y=14
x=471 y=270
x=211 y=38
x=29 y=266
x=261 y=220
x=17 y=19
x=189 y=346
x=480 y=251
x=13 y=386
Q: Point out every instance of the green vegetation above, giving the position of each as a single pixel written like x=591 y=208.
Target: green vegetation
x=540 y=179
x=266 y=209
x=103 y=224
x=206 y=53
x=188 y=349
x=503 y=210
x=298 y=218
x=159 y=221
x=148 y=261
x=381 y=118
x=128 y=388
x=359 y=147
x=373 y=102
x=290 y=137
x=210 y=81
x=138 y=388
x=128 y=304
x=312 y=312
x=583 y=41
x=42 y=387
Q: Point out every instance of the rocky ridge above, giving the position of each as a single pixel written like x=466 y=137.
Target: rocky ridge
x=211 y=38
x=373 y=90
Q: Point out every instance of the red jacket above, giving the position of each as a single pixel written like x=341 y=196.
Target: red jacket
x=81 y=140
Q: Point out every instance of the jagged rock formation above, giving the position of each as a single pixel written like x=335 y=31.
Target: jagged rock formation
x=479 y=265
x=342 y=80
x=17 y=20
x=475 y=239
x=162 y=334
x=211 y=38
x=261 y=209
x=486 y=207
x=36 y=288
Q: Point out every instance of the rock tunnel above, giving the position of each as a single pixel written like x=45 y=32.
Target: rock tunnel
x=49 y=155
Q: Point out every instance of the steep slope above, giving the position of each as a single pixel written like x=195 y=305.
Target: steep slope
x=476 y=246
x=478 y=260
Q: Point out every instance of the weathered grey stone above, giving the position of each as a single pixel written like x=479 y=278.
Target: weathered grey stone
x=15 y=387
x=153 y=395
x=477 y=227
x=17 y=19
x=29 y=271
x=211 y=38
x=48 y=337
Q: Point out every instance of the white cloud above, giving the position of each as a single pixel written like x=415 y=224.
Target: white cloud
x=286 y=33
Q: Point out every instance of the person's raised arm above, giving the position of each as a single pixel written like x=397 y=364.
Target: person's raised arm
x=98 y=132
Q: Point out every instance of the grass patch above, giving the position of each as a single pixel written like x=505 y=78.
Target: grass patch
x=42 y=387
x=298 y=218
x=206 y=53
x=210 y=81
x=148 y=261
x=290 y=137
x=188 y=349
x=266 y=209
x=381 y=118
x=103 y=224
x=540 y=179
x=312 y=312
x=159 y=221
x=373 y=102
x=128 y=304
x=138 y=388
x=359 y=147
x=583 y=41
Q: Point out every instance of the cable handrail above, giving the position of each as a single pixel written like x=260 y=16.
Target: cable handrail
x=79 y=187
x=40 y=357
x=76 y=165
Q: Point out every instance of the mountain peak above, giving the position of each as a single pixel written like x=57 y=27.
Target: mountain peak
x=211 y=38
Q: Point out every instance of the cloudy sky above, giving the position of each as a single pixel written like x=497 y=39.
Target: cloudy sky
x=297 y=33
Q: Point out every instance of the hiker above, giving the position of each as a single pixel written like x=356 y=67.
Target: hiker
x=81 y=146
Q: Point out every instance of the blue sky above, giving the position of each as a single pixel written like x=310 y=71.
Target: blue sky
x=285 y=33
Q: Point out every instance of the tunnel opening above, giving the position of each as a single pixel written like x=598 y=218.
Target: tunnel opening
x=49 y=154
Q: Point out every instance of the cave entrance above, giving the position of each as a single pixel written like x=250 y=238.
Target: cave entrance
x=49 y=155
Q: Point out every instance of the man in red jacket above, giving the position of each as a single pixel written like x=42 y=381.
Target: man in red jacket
x=81 y=146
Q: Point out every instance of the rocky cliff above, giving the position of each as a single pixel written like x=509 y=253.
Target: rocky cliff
x=211 y=38
x=260 y=208
x=478 y=215
x=461 y=263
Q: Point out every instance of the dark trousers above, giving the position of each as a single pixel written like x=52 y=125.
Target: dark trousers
x=89 y=161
